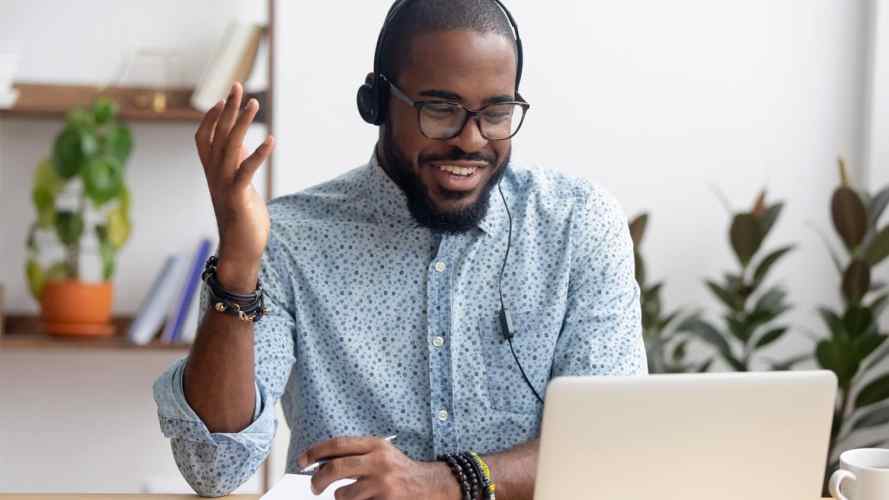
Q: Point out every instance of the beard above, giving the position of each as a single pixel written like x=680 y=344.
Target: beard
x=421 y=205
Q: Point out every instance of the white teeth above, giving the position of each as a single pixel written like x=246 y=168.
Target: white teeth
x=464 y=171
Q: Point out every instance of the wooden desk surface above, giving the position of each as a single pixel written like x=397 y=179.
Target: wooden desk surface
x=112 y=496
x=115 y=497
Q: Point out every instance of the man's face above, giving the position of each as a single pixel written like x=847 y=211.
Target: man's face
x=473 y=69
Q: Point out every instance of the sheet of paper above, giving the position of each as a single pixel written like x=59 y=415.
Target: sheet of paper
x=299 y=487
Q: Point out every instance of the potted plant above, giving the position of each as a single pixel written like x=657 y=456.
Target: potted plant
x=854 y=347
x=752 y=310
x=82 y=205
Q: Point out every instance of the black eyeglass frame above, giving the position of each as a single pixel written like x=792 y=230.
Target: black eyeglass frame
x=470 y=114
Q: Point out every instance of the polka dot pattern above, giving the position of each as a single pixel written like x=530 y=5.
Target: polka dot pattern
x=378 y=326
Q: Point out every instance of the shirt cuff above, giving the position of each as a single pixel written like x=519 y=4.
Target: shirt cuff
x=179 y=420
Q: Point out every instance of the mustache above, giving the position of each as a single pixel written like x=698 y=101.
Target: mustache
x=458 y=154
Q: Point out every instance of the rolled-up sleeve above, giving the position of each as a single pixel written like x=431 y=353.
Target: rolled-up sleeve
x=602 y=332
x=215 y=464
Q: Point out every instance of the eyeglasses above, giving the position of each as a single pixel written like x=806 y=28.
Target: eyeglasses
x=443 y=120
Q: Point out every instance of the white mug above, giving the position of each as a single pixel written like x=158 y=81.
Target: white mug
x=863 y=475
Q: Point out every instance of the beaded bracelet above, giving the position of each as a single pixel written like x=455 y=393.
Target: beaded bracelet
x=477 y=479
x=488 y=479
x=459 y=475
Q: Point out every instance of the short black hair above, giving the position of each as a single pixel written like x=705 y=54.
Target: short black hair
x=429 y=16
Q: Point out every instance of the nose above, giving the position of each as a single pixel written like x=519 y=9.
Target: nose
x=470 y=139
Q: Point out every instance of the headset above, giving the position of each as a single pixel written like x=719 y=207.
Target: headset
x=373 y=100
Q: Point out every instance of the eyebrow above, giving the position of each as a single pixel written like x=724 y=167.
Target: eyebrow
x=451 y=96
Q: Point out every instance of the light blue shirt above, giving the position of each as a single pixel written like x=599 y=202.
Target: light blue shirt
x=378 y=326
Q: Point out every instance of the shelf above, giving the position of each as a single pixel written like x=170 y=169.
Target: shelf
x=38 y=100
x=25 y=333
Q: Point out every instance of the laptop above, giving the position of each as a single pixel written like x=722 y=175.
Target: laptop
x=725 y=436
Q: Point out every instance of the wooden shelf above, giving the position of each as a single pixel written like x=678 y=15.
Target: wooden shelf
x=37 y=100
x=26 y=333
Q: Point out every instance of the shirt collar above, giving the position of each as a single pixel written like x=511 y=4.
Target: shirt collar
x=390 y=203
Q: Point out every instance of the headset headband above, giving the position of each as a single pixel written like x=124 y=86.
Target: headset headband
x=398 y=6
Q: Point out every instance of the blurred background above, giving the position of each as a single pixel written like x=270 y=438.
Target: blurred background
x=684 y=110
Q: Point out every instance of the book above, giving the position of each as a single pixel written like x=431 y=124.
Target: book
x=233 y=61
x=179 y=314
x=157 y=302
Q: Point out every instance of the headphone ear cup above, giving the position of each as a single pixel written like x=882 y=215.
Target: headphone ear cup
x=368 y=103
x=382 y=95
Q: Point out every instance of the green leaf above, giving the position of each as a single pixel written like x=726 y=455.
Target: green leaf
x=637 y=229
x=102 y=179
x=771 y=301
x=877 y=206
x=742 y=330
x=725 y=296
x=679 y=351
x=746 y=237
x=769 y=337
x=106 y=251
x=709 y=334
x=858 y=321
x=69 y=227
x=666 y=320
x=856 y=281
x=120 y=143
x=704 y=366
x=834 y=323
x=119 y=233
x=837 y=355
x=849 y=216
x=763 y=268
x=867 y=344
x=72 y=148
x=104 y=110
x=878 y=248
x=36 y=278
x=640 y=268
x=769 y=218
x=874 y=392
x=873 y=418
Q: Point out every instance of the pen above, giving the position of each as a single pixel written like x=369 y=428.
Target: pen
x=314 y=467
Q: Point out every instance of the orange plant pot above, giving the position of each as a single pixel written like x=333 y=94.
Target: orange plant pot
x=76 y=308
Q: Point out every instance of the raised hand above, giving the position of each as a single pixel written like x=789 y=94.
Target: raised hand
x=241 y=213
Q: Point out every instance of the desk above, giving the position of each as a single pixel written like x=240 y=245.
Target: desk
x=114 y=497
x=111 y=496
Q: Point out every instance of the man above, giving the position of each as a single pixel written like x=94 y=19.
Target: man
x=384 y=287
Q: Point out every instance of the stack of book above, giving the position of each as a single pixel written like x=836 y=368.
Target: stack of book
x=171 y=308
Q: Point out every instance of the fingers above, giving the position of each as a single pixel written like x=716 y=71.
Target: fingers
x=204 y=136
x=231 y=155
x=359 y=490
x=244 y=174
x=338 y=447
x=352 y=467
x=225 y=123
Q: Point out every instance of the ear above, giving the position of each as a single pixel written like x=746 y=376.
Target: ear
x=369 y=78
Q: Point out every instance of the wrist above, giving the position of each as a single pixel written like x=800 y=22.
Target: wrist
x=237 y=276
x=448 y=487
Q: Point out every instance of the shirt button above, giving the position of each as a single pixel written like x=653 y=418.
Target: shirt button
x=440 y=266
x=438 y=341
x=443 y=415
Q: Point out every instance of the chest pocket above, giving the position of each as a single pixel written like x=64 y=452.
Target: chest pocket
x=536 y=333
